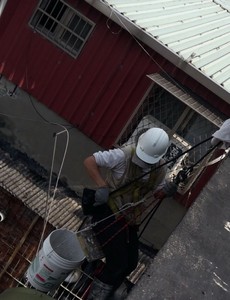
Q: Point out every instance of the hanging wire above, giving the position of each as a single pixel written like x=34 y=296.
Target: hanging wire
x=187 y=171
x=160 y=166
x=108 y=25
x=149 y=217
x=65 y=130
x=157 y=202
x=48 y=207
x=67 y=133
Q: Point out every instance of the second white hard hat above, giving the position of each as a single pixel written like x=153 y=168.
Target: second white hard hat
x=223 y=135
x=152 y=145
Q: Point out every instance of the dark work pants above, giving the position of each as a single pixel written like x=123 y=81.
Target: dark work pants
x=120 y=249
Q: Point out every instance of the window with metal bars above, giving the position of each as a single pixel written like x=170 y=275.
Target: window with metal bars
x=62 y=25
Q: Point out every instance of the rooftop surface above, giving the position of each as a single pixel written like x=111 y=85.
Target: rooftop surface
x=194 y=262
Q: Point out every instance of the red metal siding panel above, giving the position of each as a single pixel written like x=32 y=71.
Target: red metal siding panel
x=125 y=91
x=97 y=92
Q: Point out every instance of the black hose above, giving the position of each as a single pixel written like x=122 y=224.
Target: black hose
x=167 y=162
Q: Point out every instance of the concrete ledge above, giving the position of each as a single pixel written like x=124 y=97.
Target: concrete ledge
x=194 y=263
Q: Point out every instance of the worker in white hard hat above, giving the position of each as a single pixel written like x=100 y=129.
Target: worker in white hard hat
x=118 y=234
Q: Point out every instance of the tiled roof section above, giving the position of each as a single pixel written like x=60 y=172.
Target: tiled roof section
x=19 y=176
x=198 y=31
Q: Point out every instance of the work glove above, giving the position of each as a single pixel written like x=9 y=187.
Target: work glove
x=101 y=196
x=181 y=176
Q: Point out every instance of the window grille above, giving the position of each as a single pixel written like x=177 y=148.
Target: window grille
x=62 y=25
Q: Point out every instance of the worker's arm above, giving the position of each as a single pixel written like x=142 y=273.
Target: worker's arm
x=170 y=187
x=102 y=193
x=93 y=171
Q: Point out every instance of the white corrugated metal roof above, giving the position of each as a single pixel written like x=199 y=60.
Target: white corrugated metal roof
x=197 y=32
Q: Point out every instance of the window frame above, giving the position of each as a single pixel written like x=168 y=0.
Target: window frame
x=61 y=27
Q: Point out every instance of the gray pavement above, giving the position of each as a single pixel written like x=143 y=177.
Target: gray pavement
x=194 y=263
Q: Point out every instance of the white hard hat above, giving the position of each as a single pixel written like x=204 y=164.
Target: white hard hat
x=152 y=145
x=223 y=134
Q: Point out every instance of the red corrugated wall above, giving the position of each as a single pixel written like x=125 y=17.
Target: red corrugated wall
x=99 y=90
x=96 y=92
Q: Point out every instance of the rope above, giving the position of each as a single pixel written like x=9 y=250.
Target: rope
x=48 y=207
x=121 y=217
x=206 y=154
x=125 y=208
x=149 y=216
x=160 y=166
x=131 y=205
x=114 y=235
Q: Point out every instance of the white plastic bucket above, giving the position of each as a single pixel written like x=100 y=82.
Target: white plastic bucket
x=60 y=255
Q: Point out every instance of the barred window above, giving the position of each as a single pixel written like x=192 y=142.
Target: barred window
x=62 y=25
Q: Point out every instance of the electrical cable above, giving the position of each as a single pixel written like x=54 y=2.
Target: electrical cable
x=32 y=102
x=43 y=118
x=47 y=212
x=187 y=171
x=151 y=213
x=160 y=166
x=65 y=130
x=149 y=217
x=108 y=26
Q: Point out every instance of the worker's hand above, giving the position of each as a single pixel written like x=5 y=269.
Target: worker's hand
x=181 y=176
x=101 y=196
